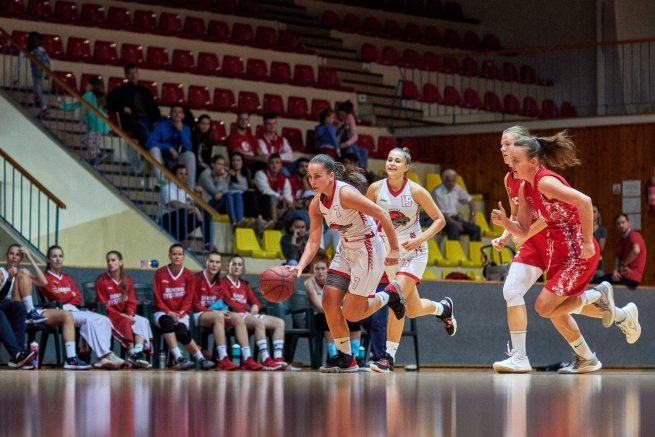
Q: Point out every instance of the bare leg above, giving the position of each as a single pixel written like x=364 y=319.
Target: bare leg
x=257 y=325
x=64 y=318
x=215 y=321
x=276 y=324
x=333 y=298
x=170 y=340
x=356 y=308
x=240 y=330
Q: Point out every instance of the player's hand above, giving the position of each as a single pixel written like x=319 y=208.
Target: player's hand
x=174 y=153
x=498 y=243
x=13 y=271
x=588 y=250
x=499 y=216
x=616 y=276
x=412 y=244
x=294 y=270
x=392 y=258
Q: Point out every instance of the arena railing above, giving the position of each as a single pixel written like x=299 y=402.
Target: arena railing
x=27 y=206
x=122 y=162
x=577 y=80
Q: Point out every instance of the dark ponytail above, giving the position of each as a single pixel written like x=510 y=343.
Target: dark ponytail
x=557 y=151
x=340 y=172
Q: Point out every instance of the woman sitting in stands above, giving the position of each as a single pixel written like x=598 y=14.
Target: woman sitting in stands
x=114 y=288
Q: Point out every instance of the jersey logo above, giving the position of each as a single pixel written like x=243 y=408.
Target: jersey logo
x=515 y=200
x=340 y=228
x=398 y=218
x=406 y=201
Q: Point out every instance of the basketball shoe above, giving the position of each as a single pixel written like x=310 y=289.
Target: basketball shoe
x=516 y=363
x=383 y=365
x=397 y=302
x=581 y=365
x=226 y=364
x=340 y=363
x=606 y=303
x=630 y=326
x=447 y=317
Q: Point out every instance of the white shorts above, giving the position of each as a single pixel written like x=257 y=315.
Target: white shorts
x=158 y=314
x=244 y=316
x=411 y=263
x=361 y=262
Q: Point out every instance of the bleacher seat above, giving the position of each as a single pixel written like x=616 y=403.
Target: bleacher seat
x=208 y=64
x=492 y=102
x=157 y=58
x=226 y=6
x=549 y=109
x=488 y=69
x=248 y=8
x=371 y=26
x=53 y=45
x=218 y=131
x=84 y=80
x=318 y=106
x=471 y=99
x=392 y=29
x=367 y=142
x=77 y=49
x=451 y=96
x=273 y=103
x=249 y=102
x=198 y=97
x=471 y=41
x=509 y=72
x=491 y=43
x=568 y=110
x=144 y=21
x=412 y=145
x=469 y=67
x=428 y=275
x=432 y=36
x=132 y=54
x=527 y=74
x=297 y=107
x=369 y=53
x=217 y=31
x=117 y=18
x=481 y=221
x=104 y=52
x=294 y=137
x=452 y=251
x=224 y=100
x=68 y=78
x=65 y=12
x=310 y=140
x=246 y=244
x=450 y=65
x=271 y=239
x=327 y=78
x=412 y=33
x=265 y=37
x=409 y=59
x=389 y=56
x=530 y=107
x=476 y=275
x=152 y=86
x=409 y=90
x=432 y=180
x=115 y=82
x=232 y=66
x=351 y=23
x=385 y=145
x=502 y=257
x=171 y=94
x=474 y=256
x=452 y=39
x=431 y=62
x=256 y=69
x=169 y=24
x=182 y=61
x=10 y=8
x=330 y=19
x=414 y=177
x=194 y=28
x=303 y=75
x=242 y=33
x=38 y=10
x=511 y=104
x=435 y=258
x=280 y=72
x=290 y=41
x=430 y=94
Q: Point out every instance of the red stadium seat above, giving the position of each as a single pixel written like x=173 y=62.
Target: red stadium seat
x=389 y=56
x=242 y=34
x=409 y=90
x=489 y=70
x=511 y=104
x=471 y=41
x=549 y=109
x=157 y=58
x=351 y=23
x=310 y=140
x=431 y=62
x=256 y=69
x=152 y=86
x=509 y=72
x=430 y=94
x=530 y=107
x=330 y=19
x=369 y=53
x=528 y=74
x=77 y=49
x=392 y=29
x=218 y=131
x=290 y=42
x=280 y=72
x=318 y=106
x=492 y=102
x=451 y=96
x=198 y=97
x=265 y=37
x=217 y=31
x=412 y=33
x=410 y=59
x=115 y=82
x=68 y=78
x=182 y=61
x=297 y=107
x=303 y=75
x=327 y=78
x=104 y=52
x=169 y=24
x=568 y=110
x=172 y=94
x=92 y=15
x=249 y=102
x=294 y=137
x=65 y=12
x=117 y=18
x=471 y=99
x=367 y=142
x=412 y=146
x=385 y=145
x=85 y=79
x=144 y=21
x=38 y=10
x=224 y=100
x=273 y=103
x=450 y=65
x=432 y=36
x=19 y=37
x=469 y=67
x=194 y=28
x=232 y=66
x=372 y=26
x=10 y=8
x=53 y=45
x=208 y=64
x=452 y=39
x=491 y=43
x=132 y=54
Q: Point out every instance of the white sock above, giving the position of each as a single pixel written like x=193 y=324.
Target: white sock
x=438 y=310
x=383 y=296
x=619 y=315
x=581 y=348
x=278 y=348
x=222 y=351
x=392 y=348
x=131 y=352
x=245 y=352
x=262 y=345
x=138 y=348
x=590 y=296
x=29 y=304
x=518 y=340
x=70 y=349
x=343 y=345
x=198 y=355
x=176 y=353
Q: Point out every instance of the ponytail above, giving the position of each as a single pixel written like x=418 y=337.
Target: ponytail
x=557 y=151
x=340 y=172
x=405 y=152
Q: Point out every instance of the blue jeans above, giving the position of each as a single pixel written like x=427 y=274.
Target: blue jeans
x=12 y=326
x=376 y=325
x=37 y=88
x=232 y=203
x=361 y=154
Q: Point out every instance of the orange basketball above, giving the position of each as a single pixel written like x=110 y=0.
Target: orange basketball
x=276 y=284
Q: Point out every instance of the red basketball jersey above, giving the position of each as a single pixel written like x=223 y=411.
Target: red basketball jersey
x=239 y=295
x=61 y=288
x=206 y=292
x=174 y=293
x=109 y=292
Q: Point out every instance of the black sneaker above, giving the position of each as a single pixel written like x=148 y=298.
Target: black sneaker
x=34 y=317
x=363 y=366
x=206 y=364
x=396 y=299
x=183 y=363
x=75 y=363
x=22 y=358
x=340 y=363
x=138 y=360
x=447 y=317
x=383 y=365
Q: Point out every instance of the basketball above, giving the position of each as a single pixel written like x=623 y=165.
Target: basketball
x=276 y=284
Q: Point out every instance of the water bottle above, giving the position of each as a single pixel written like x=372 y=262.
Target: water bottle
x=236 y=354
x=162 y=360
x=34 y=347
x=362 y=353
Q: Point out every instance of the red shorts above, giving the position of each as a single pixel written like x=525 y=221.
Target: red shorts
x=533 y=252
x=568 y=274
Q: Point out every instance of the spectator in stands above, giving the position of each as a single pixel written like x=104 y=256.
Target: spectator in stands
x=299 y=183
x=349 y=162
x=135 y=105
x=242 y=140
x=180 y=215
x=270 y=142
x=211 y=312
x=448 y=195
x=600 y=235
x=96 y=329
x=94 y=127
x=21 y=284
x=630 y=255
x=215 y=182
x=294 y=240
x=347 y=133
x=174 y=288
x=35 y=49
x=169 y=143
x=275 y=190
x=240 y=182
x=203 y=143
x=327 y=141
x=238 y=295
x=115 y=290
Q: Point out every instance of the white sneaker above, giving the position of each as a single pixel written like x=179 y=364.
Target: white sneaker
x=516 y=363
x=630 y=326
x=606 y=303
x=581 y=365
x=110 y=361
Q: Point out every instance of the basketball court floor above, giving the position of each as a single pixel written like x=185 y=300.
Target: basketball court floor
x=427 y=403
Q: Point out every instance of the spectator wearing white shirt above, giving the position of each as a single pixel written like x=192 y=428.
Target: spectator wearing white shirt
x=180 y=216
x=275 y=190
x=448 y=195
x=271 y=143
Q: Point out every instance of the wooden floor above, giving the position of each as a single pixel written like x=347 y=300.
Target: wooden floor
x=241 y=404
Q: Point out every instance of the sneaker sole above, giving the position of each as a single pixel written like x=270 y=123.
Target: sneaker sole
x=582 y=370
x=635 y=320
x=452 y=316
x=377 y=369
x=68 y=367
x=339 y=369
x=498 y=368
x=608 y=318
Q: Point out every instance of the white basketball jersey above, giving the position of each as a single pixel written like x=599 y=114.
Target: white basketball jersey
x=351 y=225
x=402 y=208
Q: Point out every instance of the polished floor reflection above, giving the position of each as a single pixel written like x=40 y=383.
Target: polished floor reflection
x=434 y=403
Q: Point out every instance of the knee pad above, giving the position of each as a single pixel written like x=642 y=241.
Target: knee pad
x=519 y=280
x=337 y=281
x=182 y=334
x=166 y=324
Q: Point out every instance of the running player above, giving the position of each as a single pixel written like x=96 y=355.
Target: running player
x=402 y=198
x=360 y=258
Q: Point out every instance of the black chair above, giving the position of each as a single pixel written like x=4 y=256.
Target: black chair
x=303 y=326
x=44 y=332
